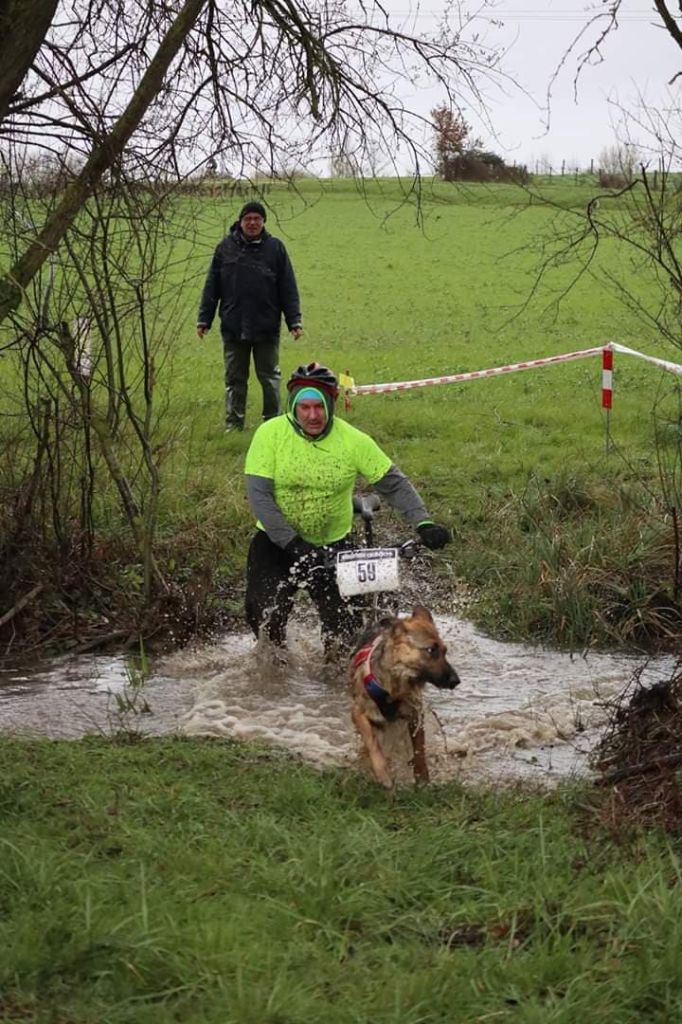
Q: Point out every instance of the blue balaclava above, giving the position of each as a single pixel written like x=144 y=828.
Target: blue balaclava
x=303 y=390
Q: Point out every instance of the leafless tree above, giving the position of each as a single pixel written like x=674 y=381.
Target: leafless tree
x=105 y=109
x=156 y=87
x=619 y=164
x=89 y=344
x=636 y=211
x=638 y=206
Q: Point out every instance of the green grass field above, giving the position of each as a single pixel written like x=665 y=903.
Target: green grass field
x=210 y=883
x=389 y=298
x=559 y=541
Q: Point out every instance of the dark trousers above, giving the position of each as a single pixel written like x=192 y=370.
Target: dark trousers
x=237 y=357
x=271 y=588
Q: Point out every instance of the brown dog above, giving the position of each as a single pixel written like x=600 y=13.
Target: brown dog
x=387 y=675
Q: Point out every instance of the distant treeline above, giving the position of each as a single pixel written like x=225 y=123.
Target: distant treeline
x=44 y=178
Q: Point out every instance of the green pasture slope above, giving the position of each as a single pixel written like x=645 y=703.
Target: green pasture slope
x=516 y=464
x=389 y=299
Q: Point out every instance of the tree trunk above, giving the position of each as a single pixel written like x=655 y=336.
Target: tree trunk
x=23 y=27
x=103 y=157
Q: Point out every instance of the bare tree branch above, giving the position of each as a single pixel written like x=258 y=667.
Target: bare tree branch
x=668 y=20
x=258 y=83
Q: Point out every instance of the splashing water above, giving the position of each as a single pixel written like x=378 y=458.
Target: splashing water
x=520 y=712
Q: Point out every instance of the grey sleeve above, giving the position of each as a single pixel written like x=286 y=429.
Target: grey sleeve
x=261 y=495
x=402 y=496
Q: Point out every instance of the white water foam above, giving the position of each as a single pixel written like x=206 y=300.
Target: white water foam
x=519 y=712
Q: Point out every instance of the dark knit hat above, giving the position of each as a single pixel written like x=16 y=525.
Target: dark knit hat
x=253 y=207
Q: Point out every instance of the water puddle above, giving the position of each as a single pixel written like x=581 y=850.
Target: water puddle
x=520 y=712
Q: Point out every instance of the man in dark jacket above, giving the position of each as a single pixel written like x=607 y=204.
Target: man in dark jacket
x=252 y=279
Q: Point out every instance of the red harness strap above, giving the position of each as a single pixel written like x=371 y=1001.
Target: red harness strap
x=382 y=698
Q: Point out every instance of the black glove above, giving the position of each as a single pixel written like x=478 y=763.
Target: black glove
x=302 y=552
x=433 y=536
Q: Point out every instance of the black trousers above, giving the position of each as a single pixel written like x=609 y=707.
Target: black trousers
x=237 y=356
x=271 y=588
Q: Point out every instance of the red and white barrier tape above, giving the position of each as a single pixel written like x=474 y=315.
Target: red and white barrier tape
x=455 y=378
x=664 y=364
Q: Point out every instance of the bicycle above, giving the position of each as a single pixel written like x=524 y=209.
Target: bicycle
x=361 y=575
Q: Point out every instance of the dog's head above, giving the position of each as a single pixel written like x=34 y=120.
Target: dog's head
x=417 y=646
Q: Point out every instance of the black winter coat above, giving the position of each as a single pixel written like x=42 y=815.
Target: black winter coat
x=255 y=285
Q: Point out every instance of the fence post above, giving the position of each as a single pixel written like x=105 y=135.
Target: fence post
x=607 y=390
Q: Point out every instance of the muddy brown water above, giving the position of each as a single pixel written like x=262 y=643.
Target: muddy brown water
x=519 y=713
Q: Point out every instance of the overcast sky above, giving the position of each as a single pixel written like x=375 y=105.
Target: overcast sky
x=638 y=58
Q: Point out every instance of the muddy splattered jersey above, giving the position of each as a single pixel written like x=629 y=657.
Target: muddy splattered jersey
x=314 y=480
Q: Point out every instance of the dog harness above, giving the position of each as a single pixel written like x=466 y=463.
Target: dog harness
x=387 y=705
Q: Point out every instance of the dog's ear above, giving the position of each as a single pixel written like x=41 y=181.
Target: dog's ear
x=420 y=612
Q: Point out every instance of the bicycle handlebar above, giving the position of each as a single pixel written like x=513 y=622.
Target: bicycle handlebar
x=407 y=549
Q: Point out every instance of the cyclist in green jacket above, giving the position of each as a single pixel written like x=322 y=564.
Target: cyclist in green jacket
x=301 y=470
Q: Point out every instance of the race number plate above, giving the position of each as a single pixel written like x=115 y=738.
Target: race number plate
x=367 y=570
